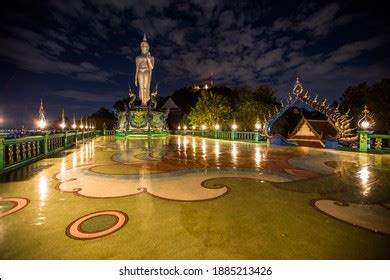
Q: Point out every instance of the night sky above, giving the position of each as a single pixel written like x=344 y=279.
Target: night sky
x=80 y=54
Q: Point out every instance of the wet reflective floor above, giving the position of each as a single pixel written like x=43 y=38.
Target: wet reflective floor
x=193 y=198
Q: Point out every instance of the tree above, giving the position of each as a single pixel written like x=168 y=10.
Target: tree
x=253 y=105
x=377 y=99
x=211 y=108
x=103 y=116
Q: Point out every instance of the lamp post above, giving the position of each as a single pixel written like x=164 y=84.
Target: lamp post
x=185 y=129
x=193 y=128
x=217 y=128
x=234 y=133
x=204 y=127
x=81 y=123
x=258 y=129
x=366 y=122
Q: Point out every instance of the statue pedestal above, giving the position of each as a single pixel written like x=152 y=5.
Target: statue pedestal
x=141 y=123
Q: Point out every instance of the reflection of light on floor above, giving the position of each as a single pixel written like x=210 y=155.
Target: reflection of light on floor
x=74 y=160
x=234 y=153
x=194 y=147
x=216 y=151
x=86 y=152
x=185 y=145
x=179 y=141
x=364 y=176
x=42 y=189
x=82 y=155
x=62 y=171
x=257 y=156
x=204 y=149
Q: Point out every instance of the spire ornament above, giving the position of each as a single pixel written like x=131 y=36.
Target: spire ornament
x=41 y=117
x=366 y=119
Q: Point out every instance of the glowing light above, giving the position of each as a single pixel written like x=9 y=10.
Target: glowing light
x=364 y=176
x=258 y=126
x=366 y=120
x=179 y=127
x=234 y=153
x=81 y=126
x=42 y=189
x=204 y=127
x=365 y=124
x=217 y=126
x=234 y=126
x=63 y=125
x=193 y=127
x=257 y=156
x=185 y=142
x=74 y=160
x=63 y=168
x=206 y=87
x=74 y=126
x=204 y=149
x=217 y=150
x=194 y=147
x=185 y=127
x=41 y=124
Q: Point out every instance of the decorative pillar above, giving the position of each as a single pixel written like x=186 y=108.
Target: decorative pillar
x=2 y=152
x=46 y=143
x=258 y=136
x=65 y=139
x=363 y=140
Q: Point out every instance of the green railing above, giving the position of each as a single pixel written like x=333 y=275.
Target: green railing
x=250 y=136
x=18 y=152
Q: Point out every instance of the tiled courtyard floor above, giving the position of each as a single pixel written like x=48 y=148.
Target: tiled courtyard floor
x=194 y=198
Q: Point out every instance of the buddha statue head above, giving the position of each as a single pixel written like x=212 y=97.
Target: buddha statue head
x=144 y=46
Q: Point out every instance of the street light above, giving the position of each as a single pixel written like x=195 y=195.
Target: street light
x=234 y=126
x=366 y=120
x=217 y=126
x=258 y=126
x=204 y=127
x=42 y=124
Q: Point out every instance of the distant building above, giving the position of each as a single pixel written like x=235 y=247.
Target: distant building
x=312 y=133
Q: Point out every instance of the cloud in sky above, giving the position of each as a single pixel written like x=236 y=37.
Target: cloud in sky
x=92 y=44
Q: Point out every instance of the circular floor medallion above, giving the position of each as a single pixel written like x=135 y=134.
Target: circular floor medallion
x=97 y=224
x=12 y=205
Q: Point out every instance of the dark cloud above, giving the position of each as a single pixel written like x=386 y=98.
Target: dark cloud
x=89 y=96
x=82 y=47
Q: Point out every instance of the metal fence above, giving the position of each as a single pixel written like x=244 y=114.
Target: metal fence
x=247 y=136
x=18 y=152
